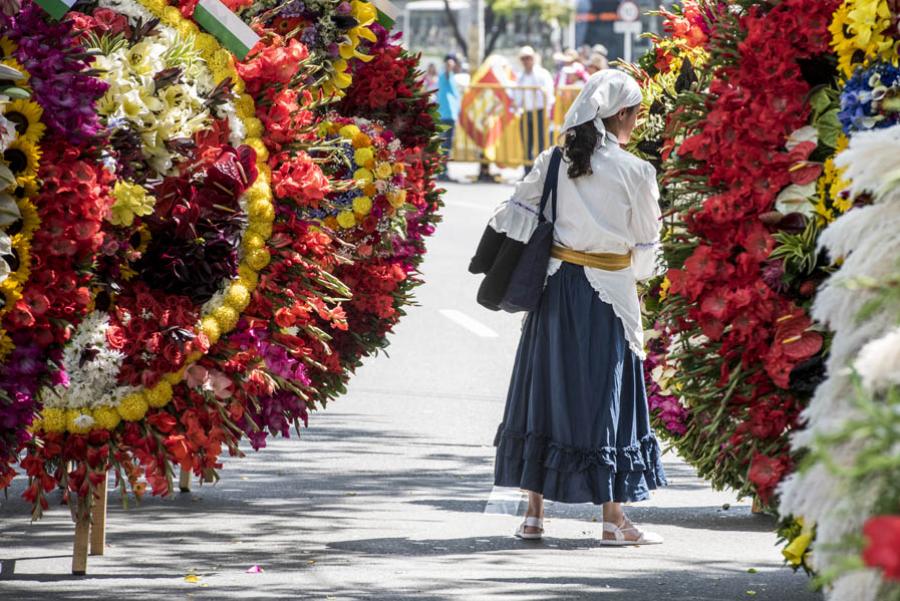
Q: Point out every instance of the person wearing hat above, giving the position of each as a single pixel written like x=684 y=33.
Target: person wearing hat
x=448 y=99
x=571 y=71
x=596 y=63
x=533 y=103
x=576 y=427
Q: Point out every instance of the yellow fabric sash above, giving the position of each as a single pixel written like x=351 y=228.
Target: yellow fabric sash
x=604 y=261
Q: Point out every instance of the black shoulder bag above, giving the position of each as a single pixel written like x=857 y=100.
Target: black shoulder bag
x=515 y=272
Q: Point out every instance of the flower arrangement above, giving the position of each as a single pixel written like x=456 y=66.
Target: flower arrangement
x=334 y=32
x=742 y=136
x=215 y=245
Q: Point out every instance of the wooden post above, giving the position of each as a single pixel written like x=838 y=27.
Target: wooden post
x=98 y=520
x=757 y=507
x=82 y=534
x=184 y=481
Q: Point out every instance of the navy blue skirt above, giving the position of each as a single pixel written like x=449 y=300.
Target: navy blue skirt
x=576 y=426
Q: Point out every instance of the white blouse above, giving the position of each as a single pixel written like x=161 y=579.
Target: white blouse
x=613 y=210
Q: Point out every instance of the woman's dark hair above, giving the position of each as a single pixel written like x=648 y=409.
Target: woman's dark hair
x=578 y=148
x=579 y=145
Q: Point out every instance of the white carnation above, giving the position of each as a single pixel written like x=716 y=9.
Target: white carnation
x=878 y=362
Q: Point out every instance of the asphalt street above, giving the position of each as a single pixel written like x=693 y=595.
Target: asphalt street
x=388 y=495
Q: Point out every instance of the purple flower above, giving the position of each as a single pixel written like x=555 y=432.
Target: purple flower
x=56 y=62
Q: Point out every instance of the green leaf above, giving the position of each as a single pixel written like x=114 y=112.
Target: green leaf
x=829 y=128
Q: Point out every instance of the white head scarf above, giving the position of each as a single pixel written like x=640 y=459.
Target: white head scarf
x=606 y=93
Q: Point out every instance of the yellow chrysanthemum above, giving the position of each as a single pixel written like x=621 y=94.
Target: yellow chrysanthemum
x=26 y=116
x=210 y=327
x=361 y=140
x=133 y=407
x=364 y=156
x=226 y=317
x=159 y=395
x=262 y=210
x=261 y=228
x=107 y=418
x=248 y=276
x=346 y=219
x=53 y=419
x=348 y=131
x=383 y=170
x=23 y=159
x=238 y=296
x=397 y=197
x=362 y=205
x=363 y=176
x=258 y=258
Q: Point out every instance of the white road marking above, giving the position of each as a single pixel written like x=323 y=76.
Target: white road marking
x=505 y=501
x=469 y=323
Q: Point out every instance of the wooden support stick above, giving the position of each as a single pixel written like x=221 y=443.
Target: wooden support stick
x=82 y=534
x=184 y=481
x=98 y=520
x=756 y=508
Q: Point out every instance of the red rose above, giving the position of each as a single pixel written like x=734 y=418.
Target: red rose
x=115 y=337
x=883 y=548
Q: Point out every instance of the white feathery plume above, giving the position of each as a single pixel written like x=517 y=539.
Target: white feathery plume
x=867 y=240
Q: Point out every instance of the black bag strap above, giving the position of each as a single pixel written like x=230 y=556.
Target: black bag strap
x=550 y=185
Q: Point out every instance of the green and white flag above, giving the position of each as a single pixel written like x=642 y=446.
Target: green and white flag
x=56 y=8
x=387 y=12
x=227 y=27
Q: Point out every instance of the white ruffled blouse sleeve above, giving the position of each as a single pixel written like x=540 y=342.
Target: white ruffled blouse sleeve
x=646 y=260
x=518 y=216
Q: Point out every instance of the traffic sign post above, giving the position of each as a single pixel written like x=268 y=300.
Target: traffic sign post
x=628 y=11
x=629 y=29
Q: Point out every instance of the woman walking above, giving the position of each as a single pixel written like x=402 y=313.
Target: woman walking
x=576 y=426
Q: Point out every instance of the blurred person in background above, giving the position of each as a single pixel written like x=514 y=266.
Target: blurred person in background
x=571 y=71
x=597 y=63
x=448 y=99
x=430 y=79
x=461 y=76
x=533 y=104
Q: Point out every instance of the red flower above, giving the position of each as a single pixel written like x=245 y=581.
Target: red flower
x=115 y=337
x=299 y=179
x=276 y=63
x=765 y=474
x=883 y=545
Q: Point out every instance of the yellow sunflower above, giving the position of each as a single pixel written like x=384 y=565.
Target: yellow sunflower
x=26 y=116
x=857 y=31
x=23 y=159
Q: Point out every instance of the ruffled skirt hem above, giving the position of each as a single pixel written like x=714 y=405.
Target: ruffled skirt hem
x=576 y=475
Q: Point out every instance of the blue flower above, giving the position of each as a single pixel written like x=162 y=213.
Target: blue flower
x=863 y=105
